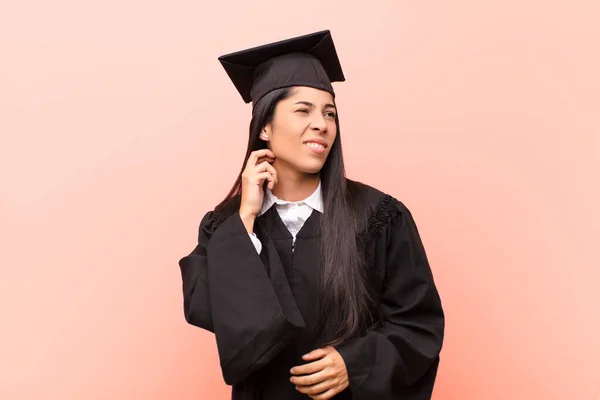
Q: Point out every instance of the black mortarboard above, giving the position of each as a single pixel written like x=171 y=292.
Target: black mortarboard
x=308 y=60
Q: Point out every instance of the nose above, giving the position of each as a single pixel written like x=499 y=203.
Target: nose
x=318 y=123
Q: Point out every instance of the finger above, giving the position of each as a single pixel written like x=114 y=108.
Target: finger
x=312 y=379
x=263 y=159
x=316 y=354
x=310 y=368
x=255 y=155
x=325 y=395
x=271 y=184
x=273 y=172
x=265 y=176
x=265 y=166
x=318 y=388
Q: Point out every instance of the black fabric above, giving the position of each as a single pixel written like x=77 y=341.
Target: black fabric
x=263 y=308
x=307 y=60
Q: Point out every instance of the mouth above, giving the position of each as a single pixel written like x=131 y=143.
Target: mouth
x=316 y=145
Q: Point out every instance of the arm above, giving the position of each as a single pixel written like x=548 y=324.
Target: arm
x=194 y=276
x=404 y=350
x=248 y=305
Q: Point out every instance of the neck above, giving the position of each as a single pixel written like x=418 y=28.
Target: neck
x=294 y=186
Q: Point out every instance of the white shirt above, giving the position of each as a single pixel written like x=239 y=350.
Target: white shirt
x=293 y=214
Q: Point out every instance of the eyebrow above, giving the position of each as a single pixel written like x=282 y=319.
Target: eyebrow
x=309 y=104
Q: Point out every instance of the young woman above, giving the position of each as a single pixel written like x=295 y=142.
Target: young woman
x=314 y=285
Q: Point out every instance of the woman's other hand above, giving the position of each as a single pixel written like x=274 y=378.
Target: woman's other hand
x=321 y=379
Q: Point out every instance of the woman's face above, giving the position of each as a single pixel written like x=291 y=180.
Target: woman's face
x=303 y=130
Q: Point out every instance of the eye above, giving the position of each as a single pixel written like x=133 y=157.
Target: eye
x=303 y=110
x=330 y=114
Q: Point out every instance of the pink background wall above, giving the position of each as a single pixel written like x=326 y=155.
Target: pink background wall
x=119 y=130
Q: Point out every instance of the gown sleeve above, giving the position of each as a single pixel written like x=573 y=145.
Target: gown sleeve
x=399 y=358
x=245 y=299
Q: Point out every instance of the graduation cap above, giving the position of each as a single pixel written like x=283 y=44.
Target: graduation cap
x=307 y=60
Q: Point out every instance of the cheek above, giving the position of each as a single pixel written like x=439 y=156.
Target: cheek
x=287 y=137
x=284 y=144
x=332 y=127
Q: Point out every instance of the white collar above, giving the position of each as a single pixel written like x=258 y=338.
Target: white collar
x=314 y=201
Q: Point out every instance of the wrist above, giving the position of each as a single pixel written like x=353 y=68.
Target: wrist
x=248 y=220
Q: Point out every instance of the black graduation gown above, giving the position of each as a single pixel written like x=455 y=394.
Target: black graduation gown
x=263 y=308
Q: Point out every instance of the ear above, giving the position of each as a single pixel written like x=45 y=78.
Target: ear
x=264 y=134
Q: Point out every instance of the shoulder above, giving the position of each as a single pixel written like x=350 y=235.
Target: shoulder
x=219 y=214
x=381 y=210
x=374 y=199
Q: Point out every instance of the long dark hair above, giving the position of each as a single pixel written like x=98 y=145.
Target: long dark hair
x=347 y=306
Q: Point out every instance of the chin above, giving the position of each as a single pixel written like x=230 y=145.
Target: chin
x=310 y=168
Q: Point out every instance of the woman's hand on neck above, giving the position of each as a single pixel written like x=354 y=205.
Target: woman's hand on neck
x=293 y=185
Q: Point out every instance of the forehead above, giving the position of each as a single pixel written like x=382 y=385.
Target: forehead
x=312 y=95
